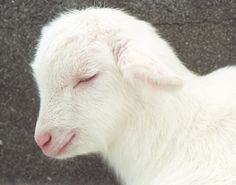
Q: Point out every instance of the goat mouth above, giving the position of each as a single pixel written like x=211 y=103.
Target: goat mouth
x=66 y=144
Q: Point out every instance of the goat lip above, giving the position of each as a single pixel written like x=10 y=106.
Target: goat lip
x=65 y=145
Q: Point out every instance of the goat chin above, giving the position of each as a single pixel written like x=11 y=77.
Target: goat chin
x=108 y=83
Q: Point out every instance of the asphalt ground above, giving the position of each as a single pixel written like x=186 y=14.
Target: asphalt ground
x=203 y=33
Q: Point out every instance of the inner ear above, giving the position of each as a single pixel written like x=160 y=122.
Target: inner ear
x=138 y=66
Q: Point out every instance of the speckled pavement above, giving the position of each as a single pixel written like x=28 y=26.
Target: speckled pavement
x=203 y=33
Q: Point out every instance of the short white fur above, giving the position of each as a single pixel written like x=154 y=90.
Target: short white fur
x=154 y=121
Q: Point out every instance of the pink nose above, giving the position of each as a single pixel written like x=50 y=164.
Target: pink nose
x=43 y=139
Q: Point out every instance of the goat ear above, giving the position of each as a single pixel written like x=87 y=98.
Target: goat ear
x=137 y=66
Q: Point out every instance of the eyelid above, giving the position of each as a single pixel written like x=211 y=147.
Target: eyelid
x=85 y=80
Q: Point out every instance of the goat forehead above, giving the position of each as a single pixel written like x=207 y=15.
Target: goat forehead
x=69 y=44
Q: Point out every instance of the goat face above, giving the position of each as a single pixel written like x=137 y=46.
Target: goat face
x=86 y=74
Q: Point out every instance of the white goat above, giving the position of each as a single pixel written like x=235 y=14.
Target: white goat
x=109 y=84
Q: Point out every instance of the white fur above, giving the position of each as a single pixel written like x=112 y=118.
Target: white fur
x=154 y=121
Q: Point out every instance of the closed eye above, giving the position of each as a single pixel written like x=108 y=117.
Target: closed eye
x=86 y=80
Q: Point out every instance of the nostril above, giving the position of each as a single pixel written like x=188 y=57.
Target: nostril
x=47 y=141
x=43 y=140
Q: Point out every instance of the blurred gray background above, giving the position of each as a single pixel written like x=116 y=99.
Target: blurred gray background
x=203 y=33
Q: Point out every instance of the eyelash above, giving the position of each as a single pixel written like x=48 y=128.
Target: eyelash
x=85 y=80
